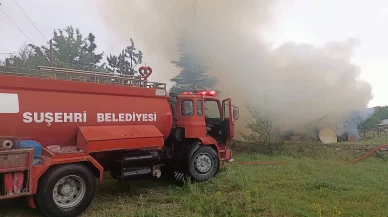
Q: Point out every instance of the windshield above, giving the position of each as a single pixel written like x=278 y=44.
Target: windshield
x=211 y=109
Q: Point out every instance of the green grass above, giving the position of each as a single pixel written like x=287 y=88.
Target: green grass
x=314 y=182
x=371 y=141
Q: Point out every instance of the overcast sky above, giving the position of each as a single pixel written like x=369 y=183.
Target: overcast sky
x=312 y=21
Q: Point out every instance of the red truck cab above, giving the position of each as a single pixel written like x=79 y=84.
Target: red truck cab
x=203 y=124
x=203 y=116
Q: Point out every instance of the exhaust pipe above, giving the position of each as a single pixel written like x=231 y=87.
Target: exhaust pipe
x=7 y=144
x=157 y=173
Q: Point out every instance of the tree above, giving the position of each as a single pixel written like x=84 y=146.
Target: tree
x=379 y=115
x=27 y=57
x=70 y=50
x=89 y=59
x=126 y=61
x=262 y=129
x=193 y=69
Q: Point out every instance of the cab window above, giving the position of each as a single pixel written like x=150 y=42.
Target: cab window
x=199 y=108
x=187 y=108
x=211 y=109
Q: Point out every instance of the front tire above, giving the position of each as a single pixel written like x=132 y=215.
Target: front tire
x=204 y=164
x=65 y=191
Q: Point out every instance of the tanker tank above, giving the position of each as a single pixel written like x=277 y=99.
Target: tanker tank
x=50 y=111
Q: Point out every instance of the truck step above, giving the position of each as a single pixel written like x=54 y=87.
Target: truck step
x=56 y=149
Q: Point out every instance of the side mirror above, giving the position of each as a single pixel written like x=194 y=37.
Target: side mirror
x=235 y=113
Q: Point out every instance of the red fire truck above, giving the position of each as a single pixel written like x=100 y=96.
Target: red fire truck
x=60 y=129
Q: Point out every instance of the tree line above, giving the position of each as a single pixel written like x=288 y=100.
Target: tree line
x=379 y=115
x=70 y=49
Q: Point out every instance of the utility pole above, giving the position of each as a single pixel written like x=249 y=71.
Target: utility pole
x=51 y=53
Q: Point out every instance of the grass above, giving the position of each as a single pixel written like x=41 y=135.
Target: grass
x=314 y=182
x=371 y=141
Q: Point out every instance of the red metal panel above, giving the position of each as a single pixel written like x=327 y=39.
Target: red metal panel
x=93 y=133
x=14 y=163
x=8 y=183
x=228 y=154
x=227 y=107
x=118 y=105
x=208 y=140
x=124 y=144
x=194 y=125
x=105 y=138
x=15 y=159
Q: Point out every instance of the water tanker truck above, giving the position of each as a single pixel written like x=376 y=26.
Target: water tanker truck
x=61 y=129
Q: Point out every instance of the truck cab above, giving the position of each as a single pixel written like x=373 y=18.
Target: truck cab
x=201 y=115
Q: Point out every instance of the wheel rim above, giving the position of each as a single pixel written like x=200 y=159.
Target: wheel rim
x=203 y=163
x=69 y=191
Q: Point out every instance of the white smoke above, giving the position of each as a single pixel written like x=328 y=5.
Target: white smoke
x=298 y=83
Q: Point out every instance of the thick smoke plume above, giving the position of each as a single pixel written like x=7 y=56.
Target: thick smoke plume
x=297 y=83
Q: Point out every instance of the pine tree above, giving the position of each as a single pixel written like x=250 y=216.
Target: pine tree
x=89 y=58
x=126 y=61
x=193 y=76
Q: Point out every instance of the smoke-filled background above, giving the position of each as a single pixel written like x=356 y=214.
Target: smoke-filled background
x=296 y=83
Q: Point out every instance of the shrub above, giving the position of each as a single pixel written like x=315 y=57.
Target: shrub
x=263 y=130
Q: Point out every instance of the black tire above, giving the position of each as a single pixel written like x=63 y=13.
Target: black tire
x=181 y=157
x=208 y=154
x=44 y=198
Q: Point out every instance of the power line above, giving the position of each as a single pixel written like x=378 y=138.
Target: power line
x=16 y=25
x=25 y=14
x=4 y=53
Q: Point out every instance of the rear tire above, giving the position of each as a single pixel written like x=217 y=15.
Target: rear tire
x=65 y=191
x=204 y=164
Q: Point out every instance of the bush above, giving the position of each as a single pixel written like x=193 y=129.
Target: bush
x=262 y=130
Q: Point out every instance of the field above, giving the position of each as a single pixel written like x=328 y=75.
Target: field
x=314 y=182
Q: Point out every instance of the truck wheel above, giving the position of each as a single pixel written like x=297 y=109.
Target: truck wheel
x=204 y=164
x=65 y=191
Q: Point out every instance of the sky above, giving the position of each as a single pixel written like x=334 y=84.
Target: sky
x=319 y=21
x=302 y=21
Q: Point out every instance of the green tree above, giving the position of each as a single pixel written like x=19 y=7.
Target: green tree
x=70 y=50
x=379 y=115
x=193 y=74
x=262 y=127
x=126 y=62
x=27 y=57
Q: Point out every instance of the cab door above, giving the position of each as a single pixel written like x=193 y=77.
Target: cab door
x=227 y=118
